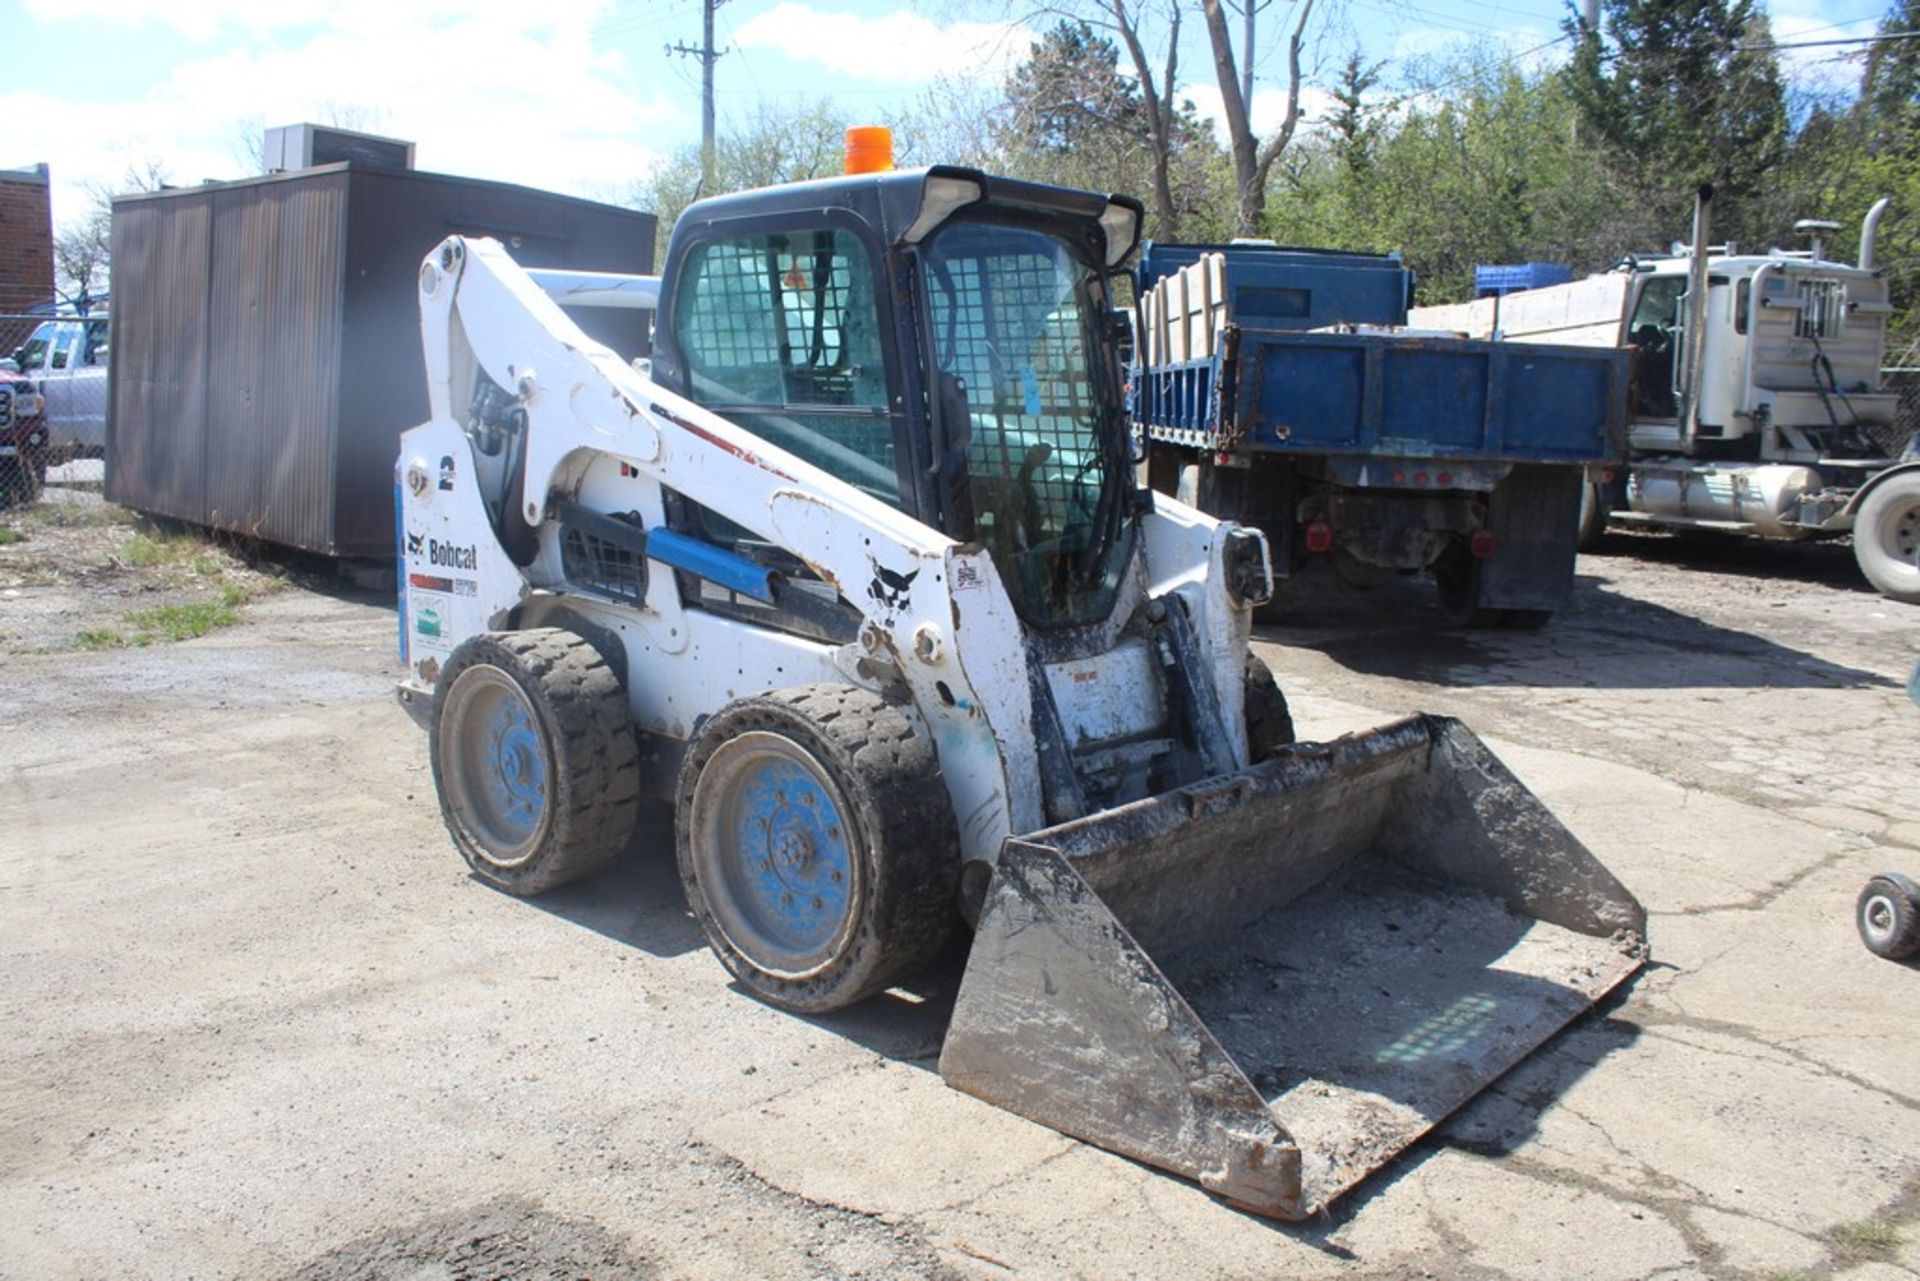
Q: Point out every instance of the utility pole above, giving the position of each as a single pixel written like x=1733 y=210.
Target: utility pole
x=1246 y=54
x=707 y=55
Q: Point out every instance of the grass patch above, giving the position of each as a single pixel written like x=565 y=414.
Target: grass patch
x=76 y=515
x=167 y=623
x=1866 y=1240
x=181 y=622
x=143 y=551
x=9 y=536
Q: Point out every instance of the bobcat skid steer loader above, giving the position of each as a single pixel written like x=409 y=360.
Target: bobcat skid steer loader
x=857 y=574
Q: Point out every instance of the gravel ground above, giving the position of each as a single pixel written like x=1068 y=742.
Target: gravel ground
x=262 y=1024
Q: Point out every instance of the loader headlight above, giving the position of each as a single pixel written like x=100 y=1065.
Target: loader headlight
x=1249 y=568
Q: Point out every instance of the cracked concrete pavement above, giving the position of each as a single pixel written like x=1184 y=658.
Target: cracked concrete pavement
x=262 y=1023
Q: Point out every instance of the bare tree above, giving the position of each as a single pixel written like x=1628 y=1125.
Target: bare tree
x=1252 y=158
x=82 y=250
x=1155 y=98
x=80 y=253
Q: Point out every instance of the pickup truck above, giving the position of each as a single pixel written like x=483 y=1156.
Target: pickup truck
x=66 y=357
x=1279 y=387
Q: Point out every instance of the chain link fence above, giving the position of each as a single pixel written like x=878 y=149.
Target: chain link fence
x=53 y=408
x=1906 y=381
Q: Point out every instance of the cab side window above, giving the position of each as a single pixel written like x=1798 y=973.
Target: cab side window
x=781 y=333
x=63 y=344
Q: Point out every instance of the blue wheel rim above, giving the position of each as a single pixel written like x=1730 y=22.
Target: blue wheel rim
x=497 y=766
x=776 y=858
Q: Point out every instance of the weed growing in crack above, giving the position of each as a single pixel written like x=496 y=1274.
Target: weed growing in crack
x=1873 y=1239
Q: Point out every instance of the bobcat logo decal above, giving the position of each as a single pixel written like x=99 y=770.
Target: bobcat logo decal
x=888 y=587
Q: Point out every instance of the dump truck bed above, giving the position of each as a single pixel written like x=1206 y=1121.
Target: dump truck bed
x=1390 y=395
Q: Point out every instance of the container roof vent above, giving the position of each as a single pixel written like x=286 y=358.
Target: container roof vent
x=304 y=146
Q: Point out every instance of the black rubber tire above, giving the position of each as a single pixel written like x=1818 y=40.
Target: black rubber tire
x=1887 y=914
x=20 y=483
x=1356 y=573
x=907 y=866
x=1457 y=576
x=1525 y=620
x=1886 y=538
x=1593 y=516
x=592 y=757
x=1269 y=723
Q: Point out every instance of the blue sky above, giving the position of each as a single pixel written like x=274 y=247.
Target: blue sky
x=579 y=95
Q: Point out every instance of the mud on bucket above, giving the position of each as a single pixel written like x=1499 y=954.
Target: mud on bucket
x=1273 y=981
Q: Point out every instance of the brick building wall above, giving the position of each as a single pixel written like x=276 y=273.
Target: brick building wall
x=26 y=238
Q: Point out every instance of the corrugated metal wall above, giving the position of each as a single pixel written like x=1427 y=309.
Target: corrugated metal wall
x=273 y=379
x=272 y=338
x=156 y=407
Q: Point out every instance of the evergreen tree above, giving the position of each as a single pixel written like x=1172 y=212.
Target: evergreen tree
x=1683 y=92
x=1071 y=117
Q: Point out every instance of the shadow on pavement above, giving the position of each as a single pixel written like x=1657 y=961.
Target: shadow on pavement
x=1826 y=562
x=1603 y=640
x=638 y=901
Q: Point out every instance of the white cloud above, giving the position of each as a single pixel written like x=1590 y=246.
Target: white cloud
x=1823 y=68
x=1269 y=107
x=898 y=48
x=207 y=19
x=484 y=96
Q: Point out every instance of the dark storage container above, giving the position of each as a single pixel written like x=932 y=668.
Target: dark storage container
x=266 y=338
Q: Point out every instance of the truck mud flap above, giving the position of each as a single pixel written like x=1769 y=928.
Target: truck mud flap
x=1273 y=981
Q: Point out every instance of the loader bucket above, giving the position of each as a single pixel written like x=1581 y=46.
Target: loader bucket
x=1273 y=981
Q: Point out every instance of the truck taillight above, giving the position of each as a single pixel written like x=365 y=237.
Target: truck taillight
x=1319 y=537
x=1484 y=544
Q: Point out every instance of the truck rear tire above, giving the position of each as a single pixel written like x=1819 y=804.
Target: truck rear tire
x=1457 y=576
x=1887 y=915
x=817 y=845
x=1886 y=538
x=1593 y=516
x=534 y=758
x=1357 y=573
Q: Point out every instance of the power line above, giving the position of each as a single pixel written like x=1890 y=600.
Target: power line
x=1814 y=44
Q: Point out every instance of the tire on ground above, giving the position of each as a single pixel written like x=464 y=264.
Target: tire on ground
x=1593 y=516
x=1886 y=537
x=1887 y=914
x=20 y=483
x=898 y=851
x=1269 y=723
x=573 y=762
x=1457 y=576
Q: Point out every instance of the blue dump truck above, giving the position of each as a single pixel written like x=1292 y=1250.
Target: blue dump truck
x=1277 y=387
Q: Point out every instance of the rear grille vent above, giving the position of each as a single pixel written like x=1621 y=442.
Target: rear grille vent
x=602 y=565
x=1822 y=304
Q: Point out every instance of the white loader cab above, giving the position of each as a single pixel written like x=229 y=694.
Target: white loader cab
x=1757 y=401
